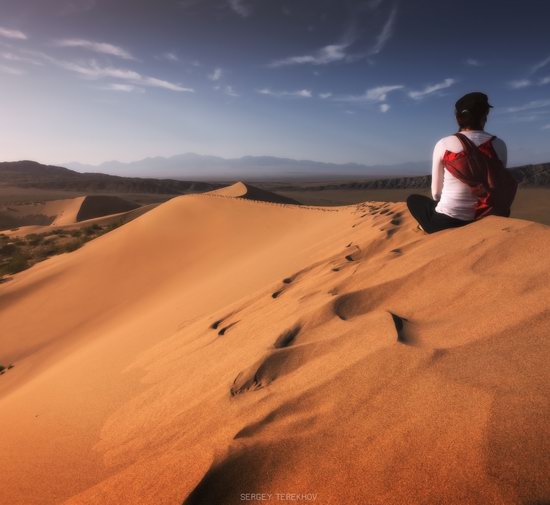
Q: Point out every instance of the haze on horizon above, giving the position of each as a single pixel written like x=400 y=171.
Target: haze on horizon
x=370 y=82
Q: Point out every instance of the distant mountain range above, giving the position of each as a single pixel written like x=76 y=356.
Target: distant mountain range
x=527 y=175
x=35 y=175
x=196 y=167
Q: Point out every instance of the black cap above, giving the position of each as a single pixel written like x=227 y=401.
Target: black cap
x=474 y=103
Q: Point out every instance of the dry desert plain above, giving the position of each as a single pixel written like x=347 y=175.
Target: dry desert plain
x=219 y=347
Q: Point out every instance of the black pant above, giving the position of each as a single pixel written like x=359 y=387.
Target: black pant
x=422 y=209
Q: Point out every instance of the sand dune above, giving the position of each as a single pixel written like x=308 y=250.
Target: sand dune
x=248 y=192
x=216 y=347
x=73 y=210
x=84 y=211
x=68 y=210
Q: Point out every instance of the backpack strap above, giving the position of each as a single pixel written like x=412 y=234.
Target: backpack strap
x=467 y=144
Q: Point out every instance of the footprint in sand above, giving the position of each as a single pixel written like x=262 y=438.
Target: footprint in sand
x=286 y=338
x=282 y=360
x=276 y=294
x=286 y=281
x=400 y=328
x=224 y=330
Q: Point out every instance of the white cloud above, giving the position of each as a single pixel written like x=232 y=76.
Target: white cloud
x=385 y=34
x=127 y=88
x=546 y=127
x=12 y=34
x=169 y=56
x=159 y=83
x=384 y=107
x=18 y=58
x=520 y=83
x=11 y=70
x=524 y=83
x=302 y=93
x=98 y=47
x=324 y=96
x=239 y=7
x=216 y=75
x=95 y=71
x=229 y=91
x=324 y=56
x=540 y=64
x=472 y=62
x=533 y=105
x=339 y=52
x=373 y=95
x=432 y=88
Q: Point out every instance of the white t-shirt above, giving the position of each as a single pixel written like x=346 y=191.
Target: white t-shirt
x=455 y=197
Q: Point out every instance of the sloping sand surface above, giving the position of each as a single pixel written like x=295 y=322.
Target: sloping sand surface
x=123 y=217
x=216 y=348
x=95 y=206
x=248 y=192
x=73 y=210
x=66 y=211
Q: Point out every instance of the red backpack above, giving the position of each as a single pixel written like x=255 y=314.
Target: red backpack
x=481 y=169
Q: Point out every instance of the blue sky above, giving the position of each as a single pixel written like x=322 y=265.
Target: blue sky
x=370 y=81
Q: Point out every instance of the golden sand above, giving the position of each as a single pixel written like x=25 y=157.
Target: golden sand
x=218 y=350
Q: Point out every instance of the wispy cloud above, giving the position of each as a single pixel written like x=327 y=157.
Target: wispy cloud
x=546 y=127
x=12 y=34
x=324 y=56
x=525 y=83
x=302 y=93
x=540 y=64
x=384 y=107
x=239 y=7
x=530 y=106
x=385 y=34
x=341 y=50
x=431 y=88
x=324 y=96
x=126 y=88
x=97 y=47
x=520 y=83
x=227 y=90
x=373 y=95
x=472 y=62
x=9 y=56
x=169 y=56
x=95 y=71
x=11 y=70
x=216 y=74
